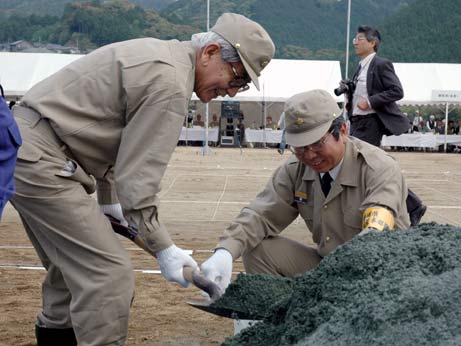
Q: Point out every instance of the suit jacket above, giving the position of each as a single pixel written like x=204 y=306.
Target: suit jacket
x=384 y=89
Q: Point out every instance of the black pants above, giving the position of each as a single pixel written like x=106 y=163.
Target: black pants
x=371 y=130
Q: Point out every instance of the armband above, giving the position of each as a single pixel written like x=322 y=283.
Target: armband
x=379 y=218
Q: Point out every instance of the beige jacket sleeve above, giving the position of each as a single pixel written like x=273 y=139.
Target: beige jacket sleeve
x=155 y=108
x=268 y=214
x=106 y=191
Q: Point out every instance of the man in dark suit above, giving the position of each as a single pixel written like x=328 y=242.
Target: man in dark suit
x=373 y=109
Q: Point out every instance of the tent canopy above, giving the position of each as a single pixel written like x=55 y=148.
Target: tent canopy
x=280 y=80
x=419 y=80
x=20 y=71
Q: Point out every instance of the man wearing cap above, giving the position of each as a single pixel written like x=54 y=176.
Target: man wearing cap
x=109 y=123
x=341 y=186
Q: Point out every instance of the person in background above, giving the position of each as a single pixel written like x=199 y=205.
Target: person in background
x=439 y=127
x=214 y=121
x=339 y=185
x=283 y=141
x=431 y=124
x=374 y=109
x=417 y=122
x=458 y=128
x=270 y=124
x=10 y=141
x=198 y=121
x=109 y=122
x=451 y=127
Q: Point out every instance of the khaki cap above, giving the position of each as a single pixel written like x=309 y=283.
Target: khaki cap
x=252 y=42
x=308 y=116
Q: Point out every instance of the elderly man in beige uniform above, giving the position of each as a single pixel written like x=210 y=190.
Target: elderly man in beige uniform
x=109 y=123
x=341 y=186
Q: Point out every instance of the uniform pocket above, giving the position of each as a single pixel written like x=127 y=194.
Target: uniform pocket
x=352 y=222
x=30 y=153
x=75 y=172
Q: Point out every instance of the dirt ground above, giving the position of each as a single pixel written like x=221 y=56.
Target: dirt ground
x=200 y=195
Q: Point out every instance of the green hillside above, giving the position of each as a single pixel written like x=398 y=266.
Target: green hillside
x=412 y=30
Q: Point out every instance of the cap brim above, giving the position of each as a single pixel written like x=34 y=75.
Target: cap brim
x=251 y=73
x=307 y=137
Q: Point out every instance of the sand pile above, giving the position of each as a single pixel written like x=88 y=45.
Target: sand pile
x=388 y=288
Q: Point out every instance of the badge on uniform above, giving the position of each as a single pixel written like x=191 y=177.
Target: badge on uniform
x=300 y=197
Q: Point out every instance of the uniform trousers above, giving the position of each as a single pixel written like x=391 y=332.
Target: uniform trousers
x=89 y=284
x=281 y=256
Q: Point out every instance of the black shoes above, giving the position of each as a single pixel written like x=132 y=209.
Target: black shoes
x=55 y=337
x=417 y=214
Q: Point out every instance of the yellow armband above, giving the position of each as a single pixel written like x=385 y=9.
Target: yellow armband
x=378 y=218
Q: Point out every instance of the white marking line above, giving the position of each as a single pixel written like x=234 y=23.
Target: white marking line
x=189 y=252
x=444 y=218
x=220 y=198
x=163 y=193
x=443 y=193
x=221 y=168
x=204 y=202
x=20 y=267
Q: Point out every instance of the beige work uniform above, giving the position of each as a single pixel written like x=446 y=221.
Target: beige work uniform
x=368 y=177
x=117 y=114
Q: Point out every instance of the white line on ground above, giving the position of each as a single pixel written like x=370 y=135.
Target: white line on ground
x=220 y=198
x=20 y=267
x=13 y=247
x=204 y=202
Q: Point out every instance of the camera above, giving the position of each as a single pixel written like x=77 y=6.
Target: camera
x=348 y=86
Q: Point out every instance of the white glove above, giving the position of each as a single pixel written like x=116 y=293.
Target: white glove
x=114 y=210
x=171 y=261
x=218 y=268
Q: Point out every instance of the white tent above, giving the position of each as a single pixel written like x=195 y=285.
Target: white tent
x=420 y=80
x=283 y=78
x=20 y=71
x=280 y=80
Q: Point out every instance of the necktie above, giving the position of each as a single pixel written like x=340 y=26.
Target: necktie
x=326 y=183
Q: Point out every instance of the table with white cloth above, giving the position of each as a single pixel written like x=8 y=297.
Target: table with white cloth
x=420 y=140
x=263 y=136
x=197 y=133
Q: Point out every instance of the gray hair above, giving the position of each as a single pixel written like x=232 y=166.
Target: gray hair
x=228 y=52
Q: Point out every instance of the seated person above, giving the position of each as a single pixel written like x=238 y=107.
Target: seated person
x=270 y=124
x=198 y=121
x=214 y=121
x=340 y=185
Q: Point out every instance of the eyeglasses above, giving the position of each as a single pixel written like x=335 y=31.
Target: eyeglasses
x=358 y=38
x=314 y=147
x=240 y=82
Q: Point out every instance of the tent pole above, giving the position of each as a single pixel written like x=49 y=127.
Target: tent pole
x=446 y=127
x=348 y=38
x=206 y=148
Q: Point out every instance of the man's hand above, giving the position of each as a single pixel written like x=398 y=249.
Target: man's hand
x=218 y=268
x=363 y=105
x=171 y=261
x=114 y=210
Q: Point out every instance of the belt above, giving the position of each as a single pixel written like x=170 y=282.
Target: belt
x=358 y=117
